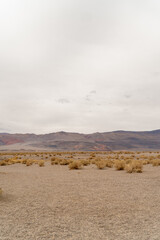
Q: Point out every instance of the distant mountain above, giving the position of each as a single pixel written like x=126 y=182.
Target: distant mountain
x=66 y=141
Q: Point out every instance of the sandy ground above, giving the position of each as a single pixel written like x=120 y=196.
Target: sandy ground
x=54 y=203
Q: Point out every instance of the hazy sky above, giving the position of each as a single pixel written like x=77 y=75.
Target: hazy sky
x=79 y=65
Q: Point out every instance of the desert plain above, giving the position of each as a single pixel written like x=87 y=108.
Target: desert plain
x=46 y=196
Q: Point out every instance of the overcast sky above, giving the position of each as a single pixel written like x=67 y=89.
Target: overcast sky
x=79 y=65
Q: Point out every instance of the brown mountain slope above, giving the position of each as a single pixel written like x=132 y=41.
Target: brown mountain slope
x=65 y=141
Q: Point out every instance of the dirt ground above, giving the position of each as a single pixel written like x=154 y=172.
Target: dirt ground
x=55 y=203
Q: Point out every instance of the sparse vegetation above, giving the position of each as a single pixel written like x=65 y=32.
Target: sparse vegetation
x=121 y=160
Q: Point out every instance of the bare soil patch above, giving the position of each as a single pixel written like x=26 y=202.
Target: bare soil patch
x=54 y=202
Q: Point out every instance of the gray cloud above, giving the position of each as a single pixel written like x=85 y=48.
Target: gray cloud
x=127 y=96
x=63 y=100
x=98 y=59
x=90 y=96
x=93 y=92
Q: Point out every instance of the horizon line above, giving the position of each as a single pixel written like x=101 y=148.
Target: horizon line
x=138 y=131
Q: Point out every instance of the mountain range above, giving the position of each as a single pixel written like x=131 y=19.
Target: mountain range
x=67 y=141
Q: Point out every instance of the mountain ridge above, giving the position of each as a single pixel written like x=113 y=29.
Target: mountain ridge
x=72 y=141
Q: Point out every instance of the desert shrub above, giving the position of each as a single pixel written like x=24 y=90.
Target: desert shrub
x=134 y=166
x=92 y=155
x=85 y=162
x=109 y=163
x=119 y=164
x=155 y=162
x=145 y=162
x=150 y=158
x=59 y=154
x=18 y=161
x=98 y=159
x=128 y=160
x=65 y=161
x=55 y=161
x=13 y=161
x=29 y=163
x=75 y=165
x=100 y=164
x=93 y=161
x=41 y=163
x=129 y=168
x=3 y=163
x=6 y=162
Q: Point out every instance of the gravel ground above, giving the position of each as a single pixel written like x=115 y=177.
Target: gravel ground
x=54 y=203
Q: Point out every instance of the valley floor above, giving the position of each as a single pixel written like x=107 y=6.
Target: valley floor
x=55 y=203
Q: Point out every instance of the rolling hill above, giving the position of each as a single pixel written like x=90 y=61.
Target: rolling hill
x=66 y=141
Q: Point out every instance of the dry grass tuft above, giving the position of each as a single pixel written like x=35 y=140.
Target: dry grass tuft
x=85 y=162
x=3 y=163
x=119 y=165
x=41 y=163
x=134 y=166
x=129 y=168
x=100 y=164
x=55 y=161
x=24 y=161
x=65 y=161
x=29 y=163
x=109 y=163
x=155 y=162
x=75 y=165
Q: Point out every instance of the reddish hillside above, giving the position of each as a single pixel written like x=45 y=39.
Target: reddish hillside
x=8 y=139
